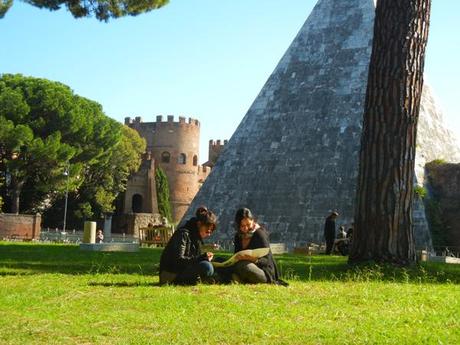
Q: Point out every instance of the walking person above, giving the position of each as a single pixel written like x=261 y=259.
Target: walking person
x=329 y=231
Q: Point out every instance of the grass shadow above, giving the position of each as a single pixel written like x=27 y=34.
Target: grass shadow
x=336 y=268
x=15 y=273
x=28 y=258
x=68 y=259
x=124 y=284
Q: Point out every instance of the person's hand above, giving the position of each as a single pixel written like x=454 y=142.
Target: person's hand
x=246 y=258
x=210 y=256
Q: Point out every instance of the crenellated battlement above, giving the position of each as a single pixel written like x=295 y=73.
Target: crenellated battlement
x=215 y=149
x=203 y=172
x=204 y=169
x=129 y=120
x=169 y=119
x=217 y=143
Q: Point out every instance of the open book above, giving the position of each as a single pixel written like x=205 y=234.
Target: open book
x=257 y=253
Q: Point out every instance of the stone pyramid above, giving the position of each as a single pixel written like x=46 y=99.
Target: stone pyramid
x=294 y=156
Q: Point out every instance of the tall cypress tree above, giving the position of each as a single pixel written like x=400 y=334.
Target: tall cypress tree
x=164 y=204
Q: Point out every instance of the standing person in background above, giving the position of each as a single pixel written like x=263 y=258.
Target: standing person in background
x=182 y=262
x=329 y=231
x=99 y=236
x=341 y=244
x=342 y=233
x=350 y=232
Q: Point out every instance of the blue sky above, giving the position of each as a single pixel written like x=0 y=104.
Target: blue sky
x=207 y=59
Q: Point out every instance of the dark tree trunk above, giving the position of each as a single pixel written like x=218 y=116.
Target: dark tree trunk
x=383 y=216
x=3 y=189
x=16 y=189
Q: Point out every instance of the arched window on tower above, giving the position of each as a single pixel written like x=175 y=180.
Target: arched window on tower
x=182 y=159
x=195 y=160
x=165 y=157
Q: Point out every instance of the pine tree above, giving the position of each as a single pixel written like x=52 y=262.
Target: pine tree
x=383 y=216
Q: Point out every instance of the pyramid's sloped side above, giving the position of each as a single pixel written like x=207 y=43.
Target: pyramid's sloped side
x=294 y=155
x=434 y=139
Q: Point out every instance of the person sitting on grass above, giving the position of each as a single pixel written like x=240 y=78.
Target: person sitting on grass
x=251 y=235
x=182 y=262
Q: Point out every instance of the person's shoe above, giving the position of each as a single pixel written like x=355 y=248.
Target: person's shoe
x=236 y=279
x=209 y=281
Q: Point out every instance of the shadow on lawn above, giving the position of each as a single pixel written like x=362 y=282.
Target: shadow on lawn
x=124 y=284
x=25 y=258
x=336 y=268
x=68 y=259
x=15 y=273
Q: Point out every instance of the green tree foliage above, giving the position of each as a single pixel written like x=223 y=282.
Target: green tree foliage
x=102 y=9
x=46 y=129
x=24 y=155
x=128 y=155
x=5 y=6
x=420 y=191
x=113 y=171
x=162 y=184
x=1 y=199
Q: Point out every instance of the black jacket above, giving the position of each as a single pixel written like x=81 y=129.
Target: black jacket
x=183 y=249
x=329 y=228
x=260 y=240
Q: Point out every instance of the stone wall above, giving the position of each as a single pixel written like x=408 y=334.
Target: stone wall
x=130 y=224
x=444 y=196
x=20 y=226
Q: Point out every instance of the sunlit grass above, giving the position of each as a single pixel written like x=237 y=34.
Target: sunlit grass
x=55 y=294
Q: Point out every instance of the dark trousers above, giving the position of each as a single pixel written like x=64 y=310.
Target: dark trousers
x=201 y=270
x=329 y=244
x=249 y=272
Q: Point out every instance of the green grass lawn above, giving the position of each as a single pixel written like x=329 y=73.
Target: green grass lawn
x=55 y=294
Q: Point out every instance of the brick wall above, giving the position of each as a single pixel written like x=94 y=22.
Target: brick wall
x=129 y=224
x=19 y=226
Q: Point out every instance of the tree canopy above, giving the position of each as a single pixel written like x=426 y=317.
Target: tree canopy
x=45 y=131
x=101 y=9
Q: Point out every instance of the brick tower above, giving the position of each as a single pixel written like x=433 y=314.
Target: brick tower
x=174 y=146
x=215 y=150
